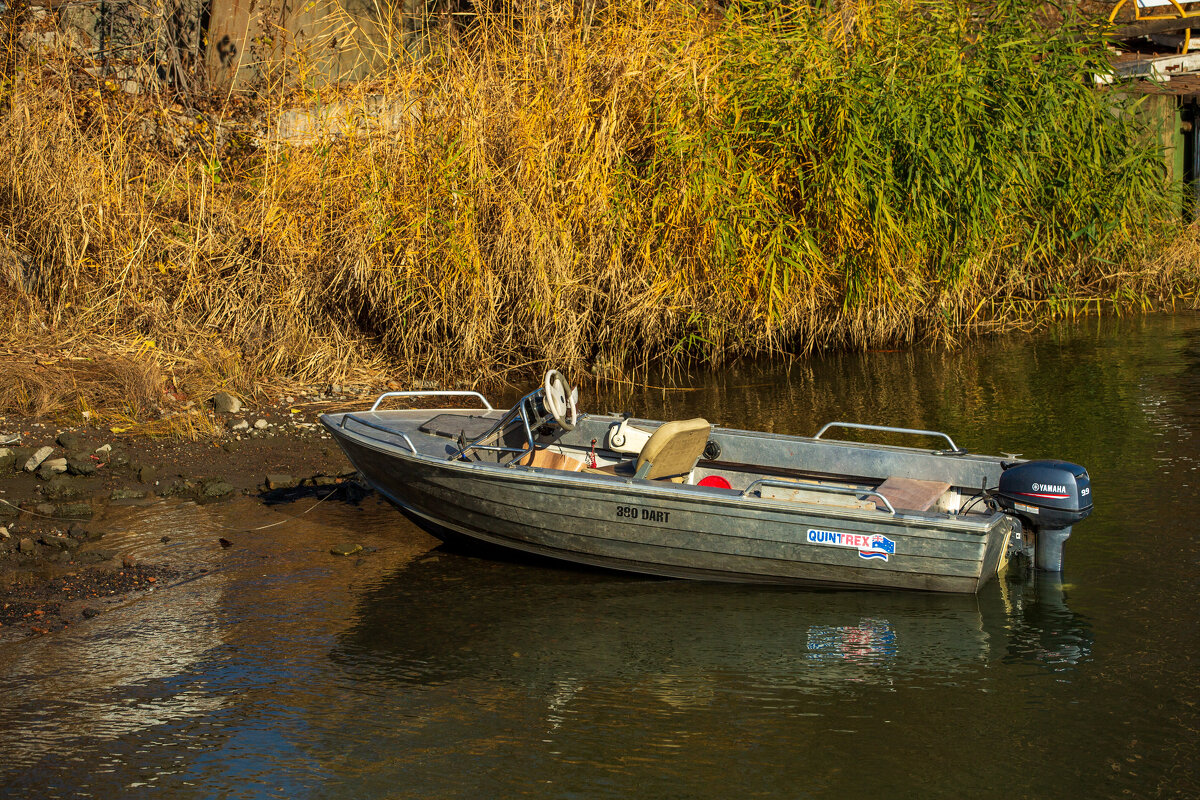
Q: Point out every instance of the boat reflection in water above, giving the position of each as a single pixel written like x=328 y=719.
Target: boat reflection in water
x=1041 y=629
x=447 y=617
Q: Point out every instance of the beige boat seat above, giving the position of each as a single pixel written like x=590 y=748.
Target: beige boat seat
x=673 y=450
x=670 y=454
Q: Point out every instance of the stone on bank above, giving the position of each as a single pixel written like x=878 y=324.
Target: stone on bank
x=35 y=460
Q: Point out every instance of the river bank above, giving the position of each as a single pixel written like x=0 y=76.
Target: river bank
x=58 y=484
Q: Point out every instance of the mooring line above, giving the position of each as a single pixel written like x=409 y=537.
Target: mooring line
x=289 y=519
x=219 y=525
x=36 y=514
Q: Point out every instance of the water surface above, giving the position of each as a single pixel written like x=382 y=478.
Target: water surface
x=425 y=673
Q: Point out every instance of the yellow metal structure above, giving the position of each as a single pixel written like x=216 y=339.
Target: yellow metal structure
x=1171 y=9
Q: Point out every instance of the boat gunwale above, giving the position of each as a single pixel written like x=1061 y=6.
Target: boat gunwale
x=381 y=418
x=940 y=522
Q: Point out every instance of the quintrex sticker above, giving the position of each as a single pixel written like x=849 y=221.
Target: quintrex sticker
x=874 y=546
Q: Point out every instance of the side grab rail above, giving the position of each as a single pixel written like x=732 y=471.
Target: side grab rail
x=401 y=434
x=432 y=393
x=817 y=487
x=954 y=449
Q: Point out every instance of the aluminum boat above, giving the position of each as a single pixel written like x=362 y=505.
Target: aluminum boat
x=685 y=499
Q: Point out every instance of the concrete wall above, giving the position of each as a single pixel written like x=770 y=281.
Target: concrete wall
x=232 y=44
x=308 y=40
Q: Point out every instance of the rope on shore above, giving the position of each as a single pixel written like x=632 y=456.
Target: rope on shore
x=219 y=525
x=289 y=519
x=36 y=514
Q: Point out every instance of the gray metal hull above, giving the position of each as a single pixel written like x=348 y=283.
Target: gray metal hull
x=676 y=530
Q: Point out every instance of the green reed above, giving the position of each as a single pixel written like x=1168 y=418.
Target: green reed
x=890 y=168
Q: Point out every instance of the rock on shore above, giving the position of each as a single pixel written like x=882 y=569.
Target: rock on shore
x=54 y=476
x=54 y=481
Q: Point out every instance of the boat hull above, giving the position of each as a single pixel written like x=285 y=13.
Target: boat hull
x=675 y=531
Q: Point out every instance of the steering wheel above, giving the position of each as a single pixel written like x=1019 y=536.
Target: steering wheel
x=562 y=406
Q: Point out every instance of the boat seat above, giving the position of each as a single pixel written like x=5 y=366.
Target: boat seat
x=816 y=497
x=673 y=450
x=909 y=494
x=670 y=454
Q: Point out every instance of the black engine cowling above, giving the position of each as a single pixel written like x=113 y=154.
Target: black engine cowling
x=1048 y=497
x=1046 y=494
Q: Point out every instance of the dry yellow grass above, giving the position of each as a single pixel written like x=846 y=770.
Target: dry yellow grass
x=557 y=188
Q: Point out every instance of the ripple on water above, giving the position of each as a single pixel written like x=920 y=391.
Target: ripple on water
x=287 y=672
x=176 y=657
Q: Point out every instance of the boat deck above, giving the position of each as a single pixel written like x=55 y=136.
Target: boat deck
x=941 y=491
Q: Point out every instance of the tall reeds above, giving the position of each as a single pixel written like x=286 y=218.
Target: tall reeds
x=907 y=167
x=591 y=188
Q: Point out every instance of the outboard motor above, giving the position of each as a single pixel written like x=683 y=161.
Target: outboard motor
x=1048 y=497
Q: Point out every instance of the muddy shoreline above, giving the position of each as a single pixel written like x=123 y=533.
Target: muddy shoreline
x=56 y=483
